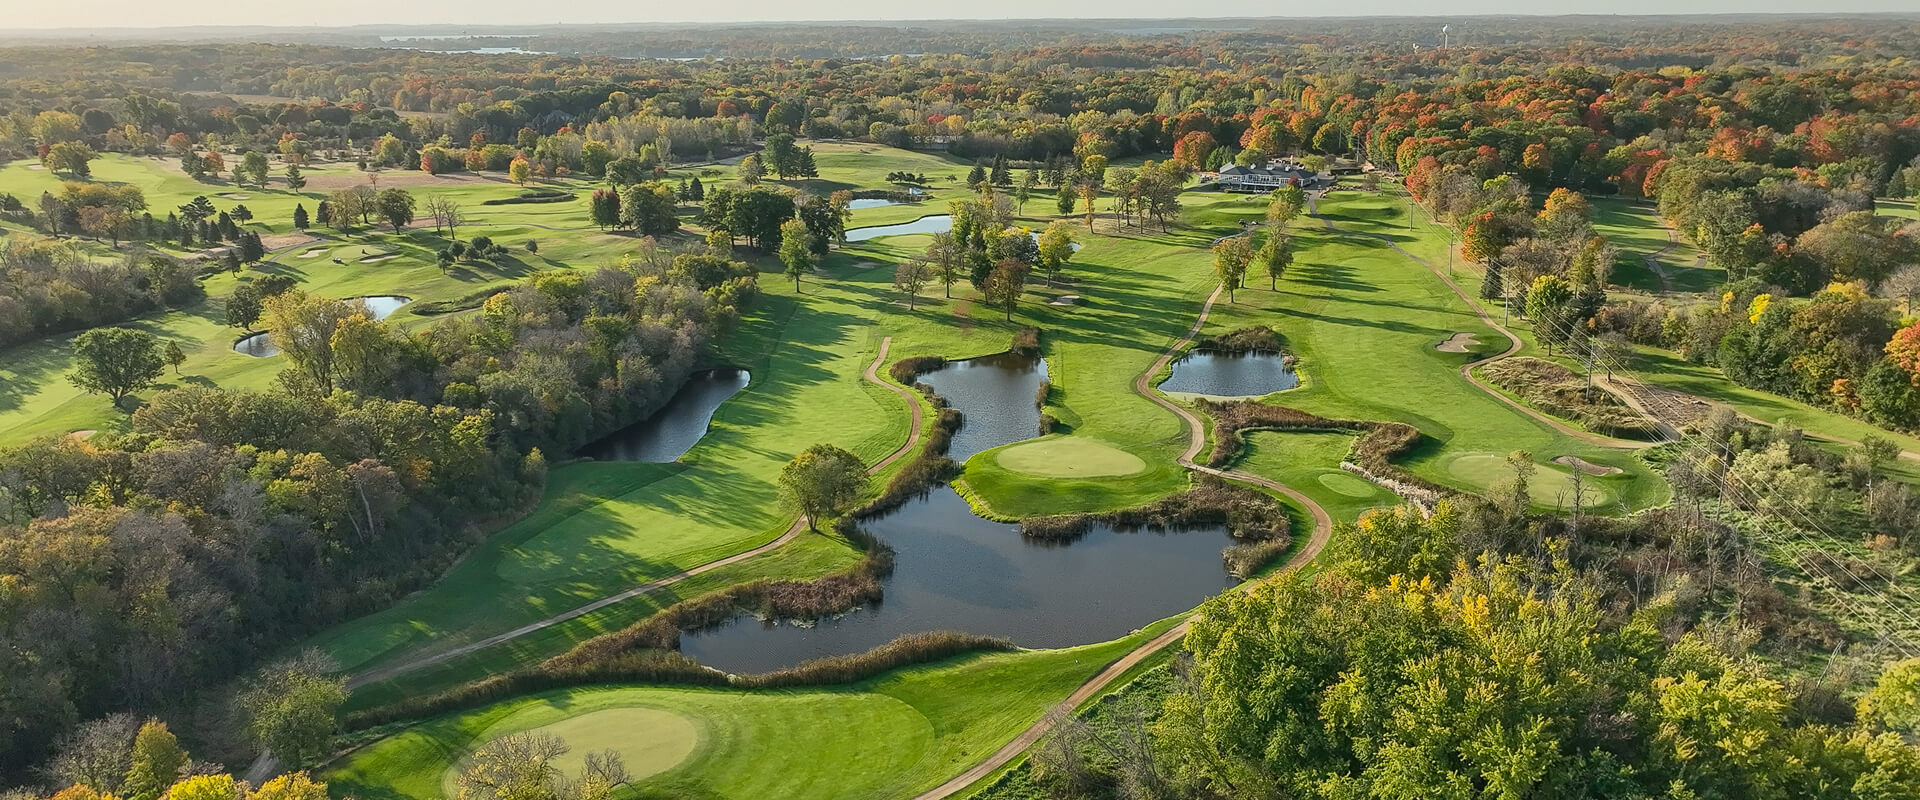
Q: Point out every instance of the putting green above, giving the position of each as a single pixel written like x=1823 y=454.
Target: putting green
x=1349 y=485
x=1549 y=486
x=1069 y=457
x=649 y=740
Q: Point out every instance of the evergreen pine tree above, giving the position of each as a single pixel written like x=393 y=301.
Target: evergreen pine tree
x=699 y=192
x=300 y=219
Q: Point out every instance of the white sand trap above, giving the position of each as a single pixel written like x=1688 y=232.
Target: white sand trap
x=1457 y=343
x=36 y=166
x=83 y=434
x=384 y=257
x=1586 y=466
x=236 y=196
x=314 y=253
x=1064 y=300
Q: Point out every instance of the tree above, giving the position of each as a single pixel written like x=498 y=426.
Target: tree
x=156 y=764
x=71 y=158
x=794 y=251
x=1064 y=201
x=242 y=214
x=1056 y=248
x=1089 y=192
x=1276 y=254
x=1094 y=167
x=96 y=755
x=605 y=206
x=303 y=327
x=520 y=170
x=175 y=356
x=1003 y=286
x=782 y=155
x=295 y=179
x=823 y=481
x=206 y=787
x=243 y=306
x=396 y=207
x=292 y=709
x=446 y=215
x=1549 y=305
x=1025 y=191
x=116 y=361
x=300 y=220
x=1287 y=202
x=910 y=277
x=517 y=766
x=751 y=170
x=253 y=168
x=649 y=208
x=291 y=786
x=948 y=256
x=977 y=177
x=1230 y=258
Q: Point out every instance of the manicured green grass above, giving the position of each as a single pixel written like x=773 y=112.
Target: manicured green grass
x=649 y=740
x=1069 y=457
x=1364 y=320
x=1636 y=230
x=883 y=738
x=1666 y=368
x=1310 y=462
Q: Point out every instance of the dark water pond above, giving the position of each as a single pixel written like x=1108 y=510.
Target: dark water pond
x=379 y=306
x=1231 y=374
x=956 y=571
x=936 y=223
x=677 y=426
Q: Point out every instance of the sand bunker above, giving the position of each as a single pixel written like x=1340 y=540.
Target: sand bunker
x=1586 y=466
x=381 y=257
x=314 y=253
x=236 y=196
x=1457 y=343
x=1064 y=300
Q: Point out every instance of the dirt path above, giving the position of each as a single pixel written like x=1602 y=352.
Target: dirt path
x=1514 y=344
x=1653 y=259
x=799 y=525
x=1196 y=441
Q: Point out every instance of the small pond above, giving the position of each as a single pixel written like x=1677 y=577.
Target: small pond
x=379 y=306
x=677 y=426
x=1225 y=374
x=871 y=202
x=934 y=223
x=956 y=571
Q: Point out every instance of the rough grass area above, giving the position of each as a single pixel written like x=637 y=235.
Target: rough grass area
x=1559 y=391
x=1069 y=457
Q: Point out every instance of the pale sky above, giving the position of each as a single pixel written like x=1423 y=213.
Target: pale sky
x=23 y=14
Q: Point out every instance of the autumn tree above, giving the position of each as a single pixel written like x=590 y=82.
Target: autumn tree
x=1285 y=204
x=605 y=207
x=1230 y=259
x=948 y=257
x=823 y=481
x=157 y=762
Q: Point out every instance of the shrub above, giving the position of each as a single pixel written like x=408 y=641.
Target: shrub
x=531 y=196
x=1026 y=342
x=905 y=370
x=1244 y=559
x=912 y=648
x=1258 y=338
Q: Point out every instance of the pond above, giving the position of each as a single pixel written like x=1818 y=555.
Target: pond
x=679 y=425
x=871 y=202
x=956 y=571
x=1231 y=374
x=379 y=306
x=933 y=223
